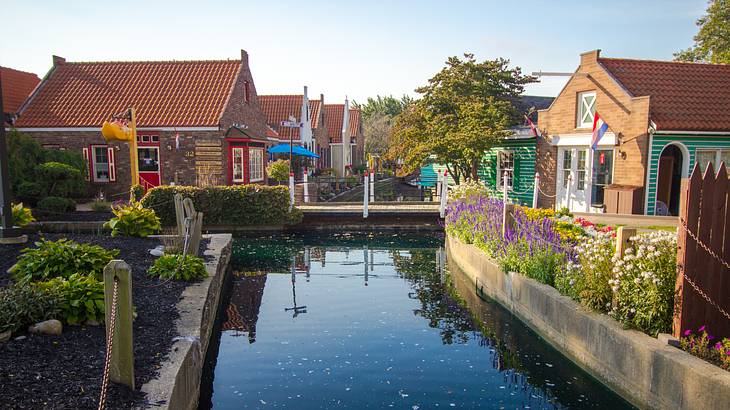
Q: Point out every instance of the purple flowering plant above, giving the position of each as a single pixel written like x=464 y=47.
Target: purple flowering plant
x=698 y=343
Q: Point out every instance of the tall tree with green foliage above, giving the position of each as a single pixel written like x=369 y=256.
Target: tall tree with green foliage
x=712 y=42
x=378 y=114
x=465 y=109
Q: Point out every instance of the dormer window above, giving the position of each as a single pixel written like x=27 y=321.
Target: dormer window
x=586 y=109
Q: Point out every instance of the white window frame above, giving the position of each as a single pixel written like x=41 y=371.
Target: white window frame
x=510 y=171
x=584 y=110
x=256 y=164
x=94 y=164
x=716 y=160
x=241 y=163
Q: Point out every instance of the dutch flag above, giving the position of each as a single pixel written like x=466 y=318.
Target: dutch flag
x=599 y=128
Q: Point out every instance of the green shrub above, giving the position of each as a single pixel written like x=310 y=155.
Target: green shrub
x=133 y=220
x=22 y=215
x=644 y=281
x=224 y=205
x=29 y=192
x=56 y=204
x=61 y=258
x=81 y=297
x=59 y=179
x=278 y=170
x=588 y=280
x=564 y=212
x=23 y=304
x=169 y=266
x=101 y=206
x=136 y=192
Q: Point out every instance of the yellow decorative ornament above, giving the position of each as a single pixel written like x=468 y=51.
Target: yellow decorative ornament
x=115 y=131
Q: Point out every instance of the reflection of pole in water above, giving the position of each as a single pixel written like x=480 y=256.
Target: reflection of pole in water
x=365 y=255
x=441 y=263
x=307 y=260
x=372 y=260
x=297 y=309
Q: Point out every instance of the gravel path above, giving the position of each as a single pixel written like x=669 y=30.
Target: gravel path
x=64 y=372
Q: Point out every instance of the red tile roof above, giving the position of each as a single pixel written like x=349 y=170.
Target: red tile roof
x=278 y=108
x=684 y=96
x=333 y=121
x=17 y=86
x=164 y=93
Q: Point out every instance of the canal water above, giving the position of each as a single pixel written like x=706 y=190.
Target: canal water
x=362 y=321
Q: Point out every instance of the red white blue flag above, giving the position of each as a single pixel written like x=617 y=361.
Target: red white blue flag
x=599 y=128
x=535 y=133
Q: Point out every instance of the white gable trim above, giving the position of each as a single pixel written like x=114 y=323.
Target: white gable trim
x=609 y=139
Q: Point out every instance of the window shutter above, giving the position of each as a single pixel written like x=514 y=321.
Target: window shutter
x=492 y=170
x=516 y=183
x=87 y=162
x=112 y=166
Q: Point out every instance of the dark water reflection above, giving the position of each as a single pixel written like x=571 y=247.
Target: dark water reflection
x=361 y=321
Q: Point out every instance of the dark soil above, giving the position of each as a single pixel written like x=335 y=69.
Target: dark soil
x=65 y=372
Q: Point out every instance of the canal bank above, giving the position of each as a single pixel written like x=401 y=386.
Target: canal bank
x=646 y=371
x=177 y=385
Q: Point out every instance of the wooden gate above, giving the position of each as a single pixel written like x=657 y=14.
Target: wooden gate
x=703 y=252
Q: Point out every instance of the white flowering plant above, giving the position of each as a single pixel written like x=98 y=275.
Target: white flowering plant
x=469 y=189
x=586 y=278
x=643 y=282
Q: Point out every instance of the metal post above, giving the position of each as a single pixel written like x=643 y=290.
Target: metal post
x=569 y=194
x=444 y=194
x=372 y=186
x=291 y=189
x=365 y=197
x=121 y=369
x=535 y=189
x=6 y=211
x=306 y=185
x=508 y=219
x=505 y=179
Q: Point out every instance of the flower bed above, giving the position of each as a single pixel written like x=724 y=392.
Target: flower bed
x=577 y=257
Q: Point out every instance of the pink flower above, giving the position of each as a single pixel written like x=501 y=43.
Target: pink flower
x=687 y=332
x=718 y=346
x=701 y=329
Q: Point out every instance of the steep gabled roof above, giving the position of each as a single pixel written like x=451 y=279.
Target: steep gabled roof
x=333 y=114
x=278 y=108
x=164 y=93
x=17 y=86
x=683 y=96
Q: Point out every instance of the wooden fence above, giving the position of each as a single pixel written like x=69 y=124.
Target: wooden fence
x=703 y=252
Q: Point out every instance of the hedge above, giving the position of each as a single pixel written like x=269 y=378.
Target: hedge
x=248 y=205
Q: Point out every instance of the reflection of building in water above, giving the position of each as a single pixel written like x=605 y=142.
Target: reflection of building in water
x=243 y=311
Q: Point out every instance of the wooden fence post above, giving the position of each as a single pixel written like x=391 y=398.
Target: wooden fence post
x=121 y=369
x=508 y=218
x=623 y=234
x=196 y=226
x=179 y=215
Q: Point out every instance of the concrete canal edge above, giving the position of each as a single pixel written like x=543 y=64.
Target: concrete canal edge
x=646 y=371
x=177 y=385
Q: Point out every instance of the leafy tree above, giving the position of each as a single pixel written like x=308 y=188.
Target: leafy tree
x=387 y=105
x=378 y=114
x=712 y=42
x=466 y=108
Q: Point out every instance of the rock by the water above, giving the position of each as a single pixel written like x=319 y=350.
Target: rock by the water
x=5 y=336
x=157 y=252
x=20 y=338
x=92 y=323
x=47 y=327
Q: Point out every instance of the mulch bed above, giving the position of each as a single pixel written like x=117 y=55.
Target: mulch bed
x=65 y=372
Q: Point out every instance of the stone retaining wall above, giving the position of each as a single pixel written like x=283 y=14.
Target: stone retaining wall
x=644 y=370
x=177 y=385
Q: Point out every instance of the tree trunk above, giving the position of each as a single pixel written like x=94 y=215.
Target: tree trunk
x=475 y=171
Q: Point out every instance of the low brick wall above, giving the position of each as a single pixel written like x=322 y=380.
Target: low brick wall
x=177 y=385
x=647 y=372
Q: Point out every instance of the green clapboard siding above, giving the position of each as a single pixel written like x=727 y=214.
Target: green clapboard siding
x=692 y=143
x=524 y=150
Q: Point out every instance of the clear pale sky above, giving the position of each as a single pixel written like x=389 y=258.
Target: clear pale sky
x=359 y=48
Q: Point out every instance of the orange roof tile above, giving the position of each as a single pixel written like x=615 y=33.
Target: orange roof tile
x=164 y=93
x=278 y=108
x=17 y=86
x=684 y=96
x=333 y=121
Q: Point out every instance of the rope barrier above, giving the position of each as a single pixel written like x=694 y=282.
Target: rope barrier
x=109 y=346
x=549 y=196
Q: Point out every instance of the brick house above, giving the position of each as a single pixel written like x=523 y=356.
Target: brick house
x=198 y=122
x=17 y=86
x=663 y=117
x=312 y=134
x=335 y=116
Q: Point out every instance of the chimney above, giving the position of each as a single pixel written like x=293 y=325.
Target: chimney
x=321 y=99
x=244 y=57
x=58 y=61
x=590 y=57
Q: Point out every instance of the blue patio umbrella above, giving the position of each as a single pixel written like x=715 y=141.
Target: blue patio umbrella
x=296 y=150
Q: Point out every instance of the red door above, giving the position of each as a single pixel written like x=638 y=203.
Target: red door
x=148 y=159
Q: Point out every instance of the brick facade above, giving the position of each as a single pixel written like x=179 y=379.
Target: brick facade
x=627 y=117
